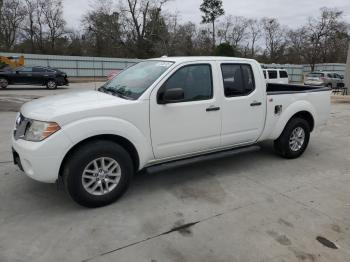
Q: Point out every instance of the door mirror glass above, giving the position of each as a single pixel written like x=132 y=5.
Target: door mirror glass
x=173 y=95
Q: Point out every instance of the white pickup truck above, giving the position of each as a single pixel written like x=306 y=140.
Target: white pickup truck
x=159 y=111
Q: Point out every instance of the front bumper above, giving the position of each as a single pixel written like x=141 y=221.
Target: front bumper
x=41 y=160
x=63 y=82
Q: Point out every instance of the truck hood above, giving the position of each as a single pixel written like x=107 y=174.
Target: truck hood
x=67 y=107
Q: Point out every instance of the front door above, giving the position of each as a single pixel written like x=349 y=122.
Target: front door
x=191 y=125
x=23 y=75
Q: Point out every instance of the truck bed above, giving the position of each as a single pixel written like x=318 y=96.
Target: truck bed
x=275 y=89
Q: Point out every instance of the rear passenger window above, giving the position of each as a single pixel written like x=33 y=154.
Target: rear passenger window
x=238 y=79
x=196 y=81
x=38 y=69
x=283 y=74
x=272 y=74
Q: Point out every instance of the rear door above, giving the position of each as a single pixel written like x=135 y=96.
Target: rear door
x=23 y=75
x=193 y=124
x=244 y=103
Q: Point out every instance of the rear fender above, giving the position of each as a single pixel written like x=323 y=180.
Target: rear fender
x=289 y=112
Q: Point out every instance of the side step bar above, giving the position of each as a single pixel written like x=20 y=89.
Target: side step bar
x=200 y=158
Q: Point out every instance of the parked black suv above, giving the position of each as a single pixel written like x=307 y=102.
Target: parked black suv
x=33 y=75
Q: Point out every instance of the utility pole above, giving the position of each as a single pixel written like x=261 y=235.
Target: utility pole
x=347 y=72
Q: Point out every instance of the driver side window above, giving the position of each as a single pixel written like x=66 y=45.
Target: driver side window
x=195 y=80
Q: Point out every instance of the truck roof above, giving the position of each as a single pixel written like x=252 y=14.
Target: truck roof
x=179 y=59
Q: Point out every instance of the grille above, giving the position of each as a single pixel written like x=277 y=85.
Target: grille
x=21 y=126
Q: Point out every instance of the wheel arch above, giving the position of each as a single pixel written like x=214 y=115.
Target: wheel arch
x=302 y=109
x=122 y=141
x=306 y=115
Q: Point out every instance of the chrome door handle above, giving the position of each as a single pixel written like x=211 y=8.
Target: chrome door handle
x=255 y=103
x=212 y=108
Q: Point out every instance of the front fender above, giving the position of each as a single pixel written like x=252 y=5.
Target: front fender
x=94 y=126
x=289 y=112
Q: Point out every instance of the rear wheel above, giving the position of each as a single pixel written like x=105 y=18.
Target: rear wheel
x=3 y=82
x=51 y=84
x=294 y=138
x=98 y=173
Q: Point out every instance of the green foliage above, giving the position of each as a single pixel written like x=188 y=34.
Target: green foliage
x=225 y=49
x=212 y=10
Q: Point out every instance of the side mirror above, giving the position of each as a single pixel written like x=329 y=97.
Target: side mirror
x=172 y=96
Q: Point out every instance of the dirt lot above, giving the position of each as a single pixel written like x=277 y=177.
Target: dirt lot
x=251 y=207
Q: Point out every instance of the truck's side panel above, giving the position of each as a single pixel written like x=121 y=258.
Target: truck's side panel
x=243 y=114
x=282 y=107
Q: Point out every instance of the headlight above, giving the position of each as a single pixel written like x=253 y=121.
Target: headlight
x=38 y=130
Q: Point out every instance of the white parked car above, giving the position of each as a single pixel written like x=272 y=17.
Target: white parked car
x=279 y=76
x=159 y=111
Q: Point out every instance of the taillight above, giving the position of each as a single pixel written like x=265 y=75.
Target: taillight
x=322 y=78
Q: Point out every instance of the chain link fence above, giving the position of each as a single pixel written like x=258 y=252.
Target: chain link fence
x=85 y=66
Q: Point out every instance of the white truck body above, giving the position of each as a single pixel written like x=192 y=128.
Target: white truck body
x=166 y=132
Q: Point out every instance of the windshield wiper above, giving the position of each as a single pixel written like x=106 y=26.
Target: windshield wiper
x=113 y=91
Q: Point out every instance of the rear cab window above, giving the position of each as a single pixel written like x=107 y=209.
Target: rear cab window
x=238 y=79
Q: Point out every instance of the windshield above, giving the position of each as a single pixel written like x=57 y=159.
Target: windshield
x=316 y=75
x=133 y=81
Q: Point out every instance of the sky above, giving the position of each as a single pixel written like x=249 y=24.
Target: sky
x=291 y=13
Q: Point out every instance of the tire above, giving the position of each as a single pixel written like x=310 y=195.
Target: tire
x=4 y=82
x=329 y=85
x=291 y=148
x=82 y=161
x=51 y=84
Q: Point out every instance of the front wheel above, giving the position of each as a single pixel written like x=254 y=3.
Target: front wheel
x=294 y=138
x=3 y=82
x=98 y=173
x=51 y=84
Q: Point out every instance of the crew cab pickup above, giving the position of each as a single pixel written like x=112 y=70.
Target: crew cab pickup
x=159 y=111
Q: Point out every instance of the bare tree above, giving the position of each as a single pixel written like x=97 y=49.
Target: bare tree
x=137 y=14
x=254 y=34
x=320 y=32
x=274 y=38
x=238 y=32
x=296 y=44
x=103 y=29
x=29 y=27
x=53 y=19
x=12 y=15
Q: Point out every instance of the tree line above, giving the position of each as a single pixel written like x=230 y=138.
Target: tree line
x=143 y=29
